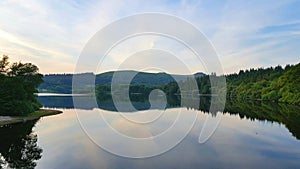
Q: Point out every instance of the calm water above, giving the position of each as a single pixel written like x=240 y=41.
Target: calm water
x=250 y=135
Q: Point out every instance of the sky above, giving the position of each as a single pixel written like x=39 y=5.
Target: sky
x=52 y=34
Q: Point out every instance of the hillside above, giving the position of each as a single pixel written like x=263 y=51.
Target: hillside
x=62 y=83
x=274 y=84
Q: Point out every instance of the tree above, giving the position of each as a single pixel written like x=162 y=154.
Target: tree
x=3 y=65
x=18 y=83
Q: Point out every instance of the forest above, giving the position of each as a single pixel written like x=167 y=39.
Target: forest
x=18 y=85
x=62 y=83
x=276 y=84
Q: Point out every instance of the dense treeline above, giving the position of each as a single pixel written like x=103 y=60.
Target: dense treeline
x=57 y=83
x=136 y=92
x=274 y=84
x=62 y=83
x=18 y=83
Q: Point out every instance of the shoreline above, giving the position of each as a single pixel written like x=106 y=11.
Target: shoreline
x=5 y=120
x=262 y=100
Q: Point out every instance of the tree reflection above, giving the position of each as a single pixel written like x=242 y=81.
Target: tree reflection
x=18 y=146
x=286 y=114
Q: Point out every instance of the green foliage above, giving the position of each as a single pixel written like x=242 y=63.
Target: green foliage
x=204 y=85
x=103 y=92
x=272 y=95
x=62 y=83
x=289 y=83
x=3 y=65
x=275 y=84
x=18 y=85
x=171 y=88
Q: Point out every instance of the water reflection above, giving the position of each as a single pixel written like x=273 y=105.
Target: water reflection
x=237 y=143
x=254 y=110
x=66 y=102
x=18 y=146
x=249 y=135
x=281 y=113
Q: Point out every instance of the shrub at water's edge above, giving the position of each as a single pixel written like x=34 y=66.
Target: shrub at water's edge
x=18 y=83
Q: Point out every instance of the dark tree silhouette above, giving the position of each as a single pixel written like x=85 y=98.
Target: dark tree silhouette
x=18 y=83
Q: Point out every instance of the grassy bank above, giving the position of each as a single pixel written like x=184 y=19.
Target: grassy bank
x=32 y=116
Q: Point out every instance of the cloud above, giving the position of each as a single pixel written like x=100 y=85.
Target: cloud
x=239 y=37
x=56 y=31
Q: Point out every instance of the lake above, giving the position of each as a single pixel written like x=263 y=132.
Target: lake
x=248 y=135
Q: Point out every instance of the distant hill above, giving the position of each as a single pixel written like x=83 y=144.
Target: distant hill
x=62 y=83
